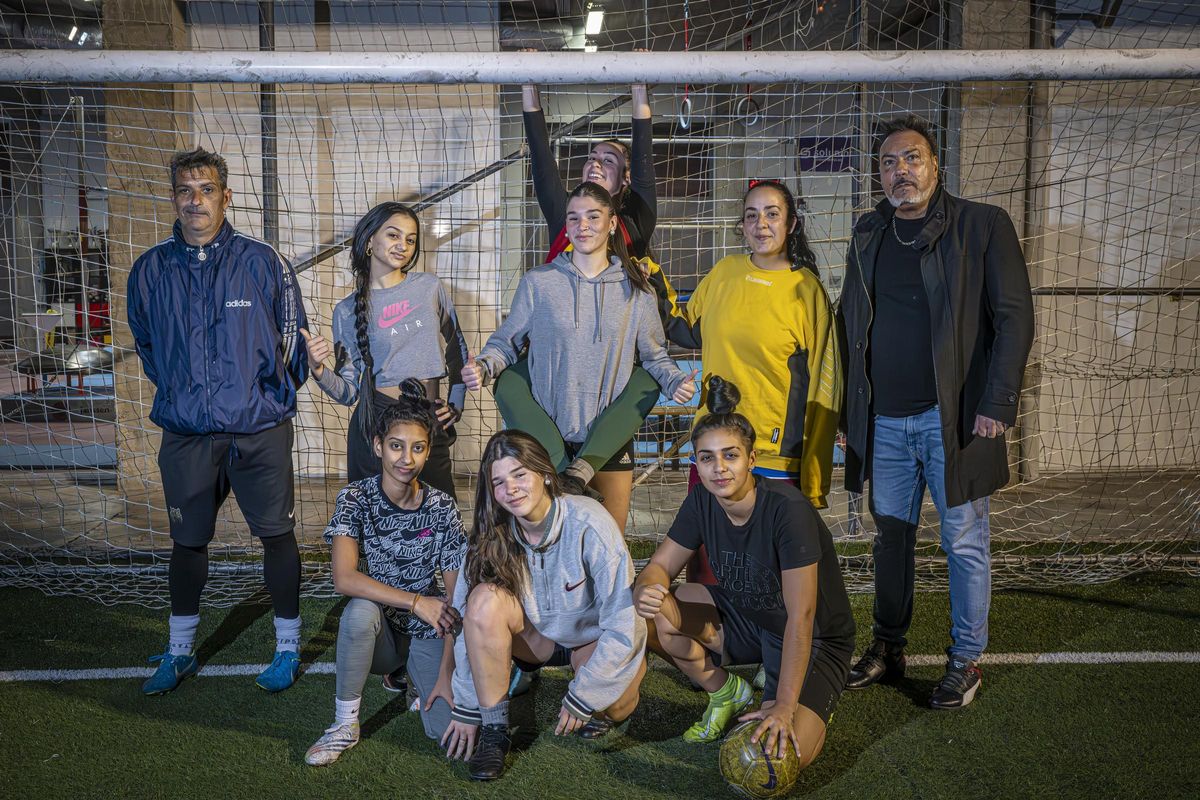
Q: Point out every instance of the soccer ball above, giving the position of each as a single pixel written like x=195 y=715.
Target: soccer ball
x=750 y=771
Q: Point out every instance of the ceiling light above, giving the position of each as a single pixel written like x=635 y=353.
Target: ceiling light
x=83 y=37
x=589 y=48
x=71 y=35
x=595 y=19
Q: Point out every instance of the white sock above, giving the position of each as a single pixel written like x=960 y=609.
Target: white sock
x=345 y=710
x=582 y=470
x=182 y=634
x=287 y=634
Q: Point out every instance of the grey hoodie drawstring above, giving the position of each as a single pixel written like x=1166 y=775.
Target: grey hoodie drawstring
x=598 y=302
x=598 y=335
x=574 y=276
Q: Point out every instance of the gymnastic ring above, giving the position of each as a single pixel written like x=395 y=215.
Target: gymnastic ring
x=685 y=113
x=748 y=108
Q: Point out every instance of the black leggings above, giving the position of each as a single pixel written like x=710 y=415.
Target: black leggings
x=188 y=573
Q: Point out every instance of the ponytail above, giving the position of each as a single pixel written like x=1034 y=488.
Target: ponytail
x=721 y=401
x=412 y=407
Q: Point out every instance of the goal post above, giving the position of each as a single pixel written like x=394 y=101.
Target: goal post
x=1092 y=151
x=896 y=66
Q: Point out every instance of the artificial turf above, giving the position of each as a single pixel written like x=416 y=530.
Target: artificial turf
x=1059 y=731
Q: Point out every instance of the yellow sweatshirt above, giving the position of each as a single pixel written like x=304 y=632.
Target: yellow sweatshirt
x=771 y=332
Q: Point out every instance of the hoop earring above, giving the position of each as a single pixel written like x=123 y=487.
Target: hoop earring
x=370 y=252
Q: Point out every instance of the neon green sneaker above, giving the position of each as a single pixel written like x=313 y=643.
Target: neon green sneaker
x=723 y=705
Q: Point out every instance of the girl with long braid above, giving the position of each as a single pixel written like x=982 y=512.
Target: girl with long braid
x=581 y=359
x=397 y=324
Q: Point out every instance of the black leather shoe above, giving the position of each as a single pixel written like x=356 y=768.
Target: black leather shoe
x=881 y=662
x=958 y=686
x=487 y=762
x=595 y=728
x=572 y=484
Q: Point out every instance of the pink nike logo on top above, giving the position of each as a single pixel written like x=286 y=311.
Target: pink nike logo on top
x=571 y=588
x=395 y=312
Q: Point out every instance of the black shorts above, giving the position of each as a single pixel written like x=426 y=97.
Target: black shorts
x=561 y=657
x=198 y=472
x=623 y=461
x=746 y=642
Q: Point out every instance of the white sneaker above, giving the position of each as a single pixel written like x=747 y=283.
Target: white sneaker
x=336 y=740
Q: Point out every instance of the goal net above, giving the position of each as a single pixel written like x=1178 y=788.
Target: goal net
x=1099 y=176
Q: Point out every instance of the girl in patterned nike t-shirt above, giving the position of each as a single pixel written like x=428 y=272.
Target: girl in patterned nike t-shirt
x=406 y=532
x=397 y=324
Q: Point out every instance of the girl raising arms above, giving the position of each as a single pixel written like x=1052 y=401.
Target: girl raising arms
x=395 y=325
x=405 y=532
x=582 y=357
x=627 y=174
x=778 y=598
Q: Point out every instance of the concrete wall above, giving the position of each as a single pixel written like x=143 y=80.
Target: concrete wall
x=1120 y=373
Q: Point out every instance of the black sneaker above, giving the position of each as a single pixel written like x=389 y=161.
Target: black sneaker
x=573 y=484
x=595 y=728
x=395 y=681
x=958 y=686
x=882 y=661
x=487 y=762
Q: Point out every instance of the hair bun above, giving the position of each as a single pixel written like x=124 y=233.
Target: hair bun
x=412 y=389
x=723 y=396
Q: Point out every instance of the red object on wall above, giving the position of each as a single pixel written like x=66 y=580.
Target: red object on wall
x=99 y=322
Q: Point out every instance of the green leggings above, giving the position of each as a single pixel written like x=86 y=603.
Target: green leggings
x=615 y=425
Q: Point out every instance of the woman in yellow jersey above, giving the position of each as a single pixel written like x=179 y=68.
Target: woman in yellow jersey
x=763 y=321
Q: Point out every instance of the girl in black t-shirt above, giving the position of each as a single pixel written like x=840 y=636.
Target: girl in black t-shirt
x=779 y=597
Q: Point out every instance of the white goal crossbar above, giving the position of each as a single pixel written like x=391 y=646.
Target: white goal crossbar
x=157 y=66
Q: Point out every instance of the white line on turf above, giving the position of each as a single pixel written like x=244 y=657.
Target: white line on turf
x=328 y=668
x=117 y=673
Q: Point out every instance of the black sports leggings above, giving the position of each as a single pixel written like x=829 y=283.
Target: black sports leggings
x=188 y=573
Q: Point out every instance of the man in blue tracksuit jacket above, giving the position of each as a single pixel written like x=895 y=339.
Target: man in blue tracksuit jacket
x=216 y=316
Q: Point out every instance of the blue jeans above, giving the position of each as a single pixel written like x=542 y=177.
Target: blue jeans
x=907 y=456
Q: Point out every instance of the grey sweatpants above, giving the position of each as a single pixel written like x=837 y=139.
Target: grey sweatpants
x=366 y=644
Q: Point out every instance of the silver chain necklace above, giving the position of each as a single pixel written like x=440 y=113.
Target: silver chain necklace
x=896 y=233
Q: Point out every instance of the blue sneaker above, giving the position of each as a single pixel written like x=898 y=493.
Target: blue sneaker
x=282 y=672
x=520 y=681
x=170 y=673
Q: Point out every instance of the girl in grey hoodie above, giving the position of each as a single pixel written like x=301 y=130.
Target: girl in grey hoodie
x=586 y=318
x=547 y=583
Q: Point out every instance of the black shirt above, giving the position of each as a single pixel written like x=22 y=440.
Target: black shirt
x=784 y=532
x=901 y=352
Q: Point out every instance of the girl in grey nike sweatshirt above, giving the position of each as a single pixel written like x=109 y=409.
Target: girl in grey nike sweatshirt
x=547 y=577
